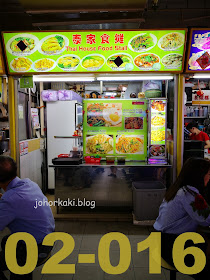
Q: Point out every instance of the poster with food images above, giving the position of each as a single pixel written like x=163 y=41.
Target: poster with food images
x=115 y=127
x=158 y=121
x=198 y=59
x=95 y=51
x=157 y=117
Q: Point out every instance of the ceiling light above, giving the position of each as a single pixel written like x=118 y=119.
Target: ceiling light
x=135 y=78
x=201 y=76
x=62 y=79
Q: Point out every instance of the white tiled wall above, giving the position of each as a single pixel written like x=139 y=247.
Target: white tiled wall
x=30 y=166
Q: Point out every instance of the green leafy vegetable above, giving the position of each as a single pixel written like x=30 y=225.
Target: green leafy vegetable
x=20 y=39
x=60 y=40
x=142 y=42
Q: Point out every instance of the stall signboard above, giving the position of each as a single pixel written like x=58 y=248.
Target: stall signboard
x=115 y=127
x=95 y=51
x=157 y=127
x=198 y=59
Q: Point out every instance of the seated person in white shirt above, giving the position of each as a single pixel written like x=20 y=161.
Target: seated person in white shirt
x=178 y=212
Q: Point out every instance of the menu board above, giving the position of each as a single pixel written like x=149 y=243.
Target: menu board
x=157 y=127
x=115 y=127
x=95 y=51
x=199 y=51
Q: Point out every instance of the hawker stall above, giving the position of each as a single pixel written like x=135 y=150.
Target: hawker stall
x=110 y=99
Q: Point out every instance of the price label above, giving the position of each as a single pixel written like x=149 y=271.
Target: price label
x=153 y=242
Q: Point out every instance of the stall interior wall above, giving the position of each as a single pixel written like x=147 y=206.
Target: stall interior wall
x=22 y=116
x=30 y=166
x=31 y=160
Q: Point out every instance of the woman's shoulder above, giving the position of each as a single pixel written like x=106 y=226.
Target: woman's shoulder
x=187 y=191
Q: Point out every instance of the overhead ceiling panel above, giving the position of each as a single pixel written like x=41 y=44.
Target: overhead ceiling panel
x=82 y=4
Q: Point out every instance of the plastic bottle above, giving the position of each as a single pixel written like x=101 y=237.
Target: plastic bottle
x=196 y=112
x=205 y=112
x=201 y=112
x=191 y=111
x=185 y=111
x=188 y=111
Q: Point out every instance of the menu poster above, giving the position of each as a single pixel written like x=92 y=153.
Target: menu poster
x=199 y=51
x=157 y=139
x=95 y=51
x=115 y=127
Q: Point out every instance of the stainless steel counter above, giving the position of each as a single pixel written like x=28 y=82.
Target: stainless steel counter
x=109 y=186
x=104 y=164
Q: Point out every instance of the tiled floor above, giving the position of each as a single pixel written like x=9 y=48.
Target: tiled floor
x=87 y=236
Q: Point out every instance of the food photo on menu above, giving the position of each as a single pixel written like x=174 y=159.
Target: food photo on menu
x=157 y=135
x=93 y=62
x=53 y=44
x=134 y=122
x=104 y=114
x=123 y=59
x=21 y=64
x=130 y=144
x=142 y=42
x=158 y=105
x=157 y=150
x=68 y=62
x=158 y=120
x=22 y=44
x=99 y=144
x=171 y=41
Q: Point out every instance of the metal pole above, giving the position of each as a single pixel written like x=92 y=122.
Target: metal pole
x=175 y=127
x=29 y=114
x=41 y=111
x=101 y=87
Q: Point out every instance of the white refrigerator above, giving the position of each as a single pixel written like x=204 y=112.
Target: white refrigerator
x=62 y=119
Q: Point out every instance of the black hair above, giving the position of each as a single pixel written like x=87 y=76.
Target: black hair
x=8 y=169
x=191 y=125
x=192 y=174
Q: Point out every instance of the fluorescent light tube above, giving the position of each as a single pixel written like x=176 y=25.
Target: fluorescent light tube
x=62 y=79
x=135 y=78
x=201 y=76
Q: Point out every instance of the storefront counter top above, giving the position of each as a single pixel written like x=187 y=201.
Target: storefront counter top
x=104 y=164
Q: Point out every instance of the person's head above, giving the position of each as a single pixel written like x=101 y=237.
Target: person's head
x=8 y=170
x=193 y=127
x=195 y=173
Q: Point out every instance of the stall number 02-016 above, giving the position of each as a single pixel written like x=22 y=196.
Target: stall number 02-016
x=153 y=242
